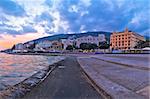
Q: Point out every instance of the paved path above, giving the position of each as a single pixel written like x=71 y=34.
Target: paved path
x=66 y=82
x=119 y=81
x=135 y=61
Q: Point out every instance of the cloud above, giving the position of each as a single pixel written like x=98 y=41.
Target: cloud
x=63 y=16
x=11 y=8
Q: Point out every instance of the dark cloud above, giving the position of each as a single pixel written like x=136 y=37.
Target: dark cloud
x=9 y=31
x=11 y=8
x=12 y=30
x=106 y=15
x=103 y=16
x=28 y=29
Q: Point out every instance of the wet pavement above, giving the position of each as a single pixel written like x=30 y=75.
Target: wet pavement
x=65 y=82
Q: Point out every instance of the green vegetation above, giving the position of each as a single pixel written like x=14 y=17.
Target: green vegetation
x=103 y=45
x=69 y=47
x=13 y=47
x=88 y=46
x=32 y=46
x=142 y=44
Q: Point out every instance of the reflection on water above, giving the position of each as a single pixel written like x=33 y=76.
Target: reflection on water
x=15 y=68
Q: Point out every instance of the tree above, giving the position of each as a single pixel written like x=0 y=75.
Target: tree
x=13 y=47
x=69 y=47
x=92 y=46
x=32 y=46
x=103 y=45
x=88 y=46
x=142 y=44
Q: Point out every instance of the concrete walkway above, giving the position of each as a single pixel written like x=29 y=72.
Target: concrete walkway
x=65 y=82
x=138 y=62
x=118 y=81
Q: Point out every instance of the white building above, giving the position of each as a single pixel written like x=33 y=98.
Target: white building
x=19 y=46
x=90 y=39
x=43 y=44
x=84 y=39
x=70 y=41
x=49 y=46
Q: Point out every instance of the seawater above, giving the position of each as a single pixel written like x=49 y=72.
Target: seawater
x=16 y=68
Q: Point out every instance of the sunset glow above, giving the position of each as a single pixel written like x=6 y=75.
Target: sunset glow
x=23 y=20
x=7 y=40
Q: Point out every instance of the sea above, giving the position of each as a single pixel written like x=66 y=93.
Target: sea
x=16 y=68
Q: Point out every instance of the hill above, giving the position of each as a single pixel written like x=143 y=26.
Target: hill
x=77 y=35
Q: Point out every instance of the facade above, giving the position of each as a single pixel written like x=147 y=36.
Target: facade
x=49 y=46
x=56 y=46
x=85 y=39
x=125 y=40
x=70 y=41
x=44 y=44
x=90 y=39
x=19 y=46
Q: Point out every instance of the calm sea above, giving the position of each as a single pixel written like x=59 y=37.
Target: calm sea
x=16 y=68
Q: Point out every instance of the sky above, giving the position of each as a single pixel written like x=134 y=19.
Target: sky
x=24 y=20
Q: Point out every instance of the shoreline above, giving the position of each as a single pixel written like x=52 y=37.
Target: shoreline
x=20 y=89
x=68 y=81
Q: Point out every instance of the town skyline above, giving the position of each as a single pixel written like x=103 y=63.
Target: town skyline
x=30 y=38
x=20 y=21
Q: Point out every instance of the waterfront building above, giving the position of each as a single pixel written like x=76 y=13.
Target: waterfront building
x=125 y=40
x=70 y=41
x=49 y=46
x=73 y=40
x=19 y=46
x=90 y=39
x=43 y=44
x=56 y=46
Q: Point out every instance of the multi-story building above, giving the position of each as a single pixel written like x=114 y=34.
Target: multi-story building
x=90 y=39
x=84 y=39
x=49 y=46
x=125 y=40
x=19 y=46
x=70 y=41
x=56 y=46
x=44 y=44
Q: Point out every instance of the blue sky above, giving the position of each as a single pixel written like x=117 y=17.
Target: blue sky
x=63 y=16
x=48 y=17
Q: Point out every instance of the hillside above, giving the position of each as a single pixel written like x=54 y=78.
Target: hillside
x=77 y=35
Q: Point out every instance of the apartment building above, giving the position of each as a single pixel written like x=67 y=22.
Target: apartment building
x=125 y=40
x=49 y=46
x=19 y=46
x=84 y=39
x=90 y=39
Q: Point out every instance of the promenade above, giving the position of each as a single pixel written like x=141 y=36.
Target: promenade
x=117 y=76
x=121 y=76
x=67 y=81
